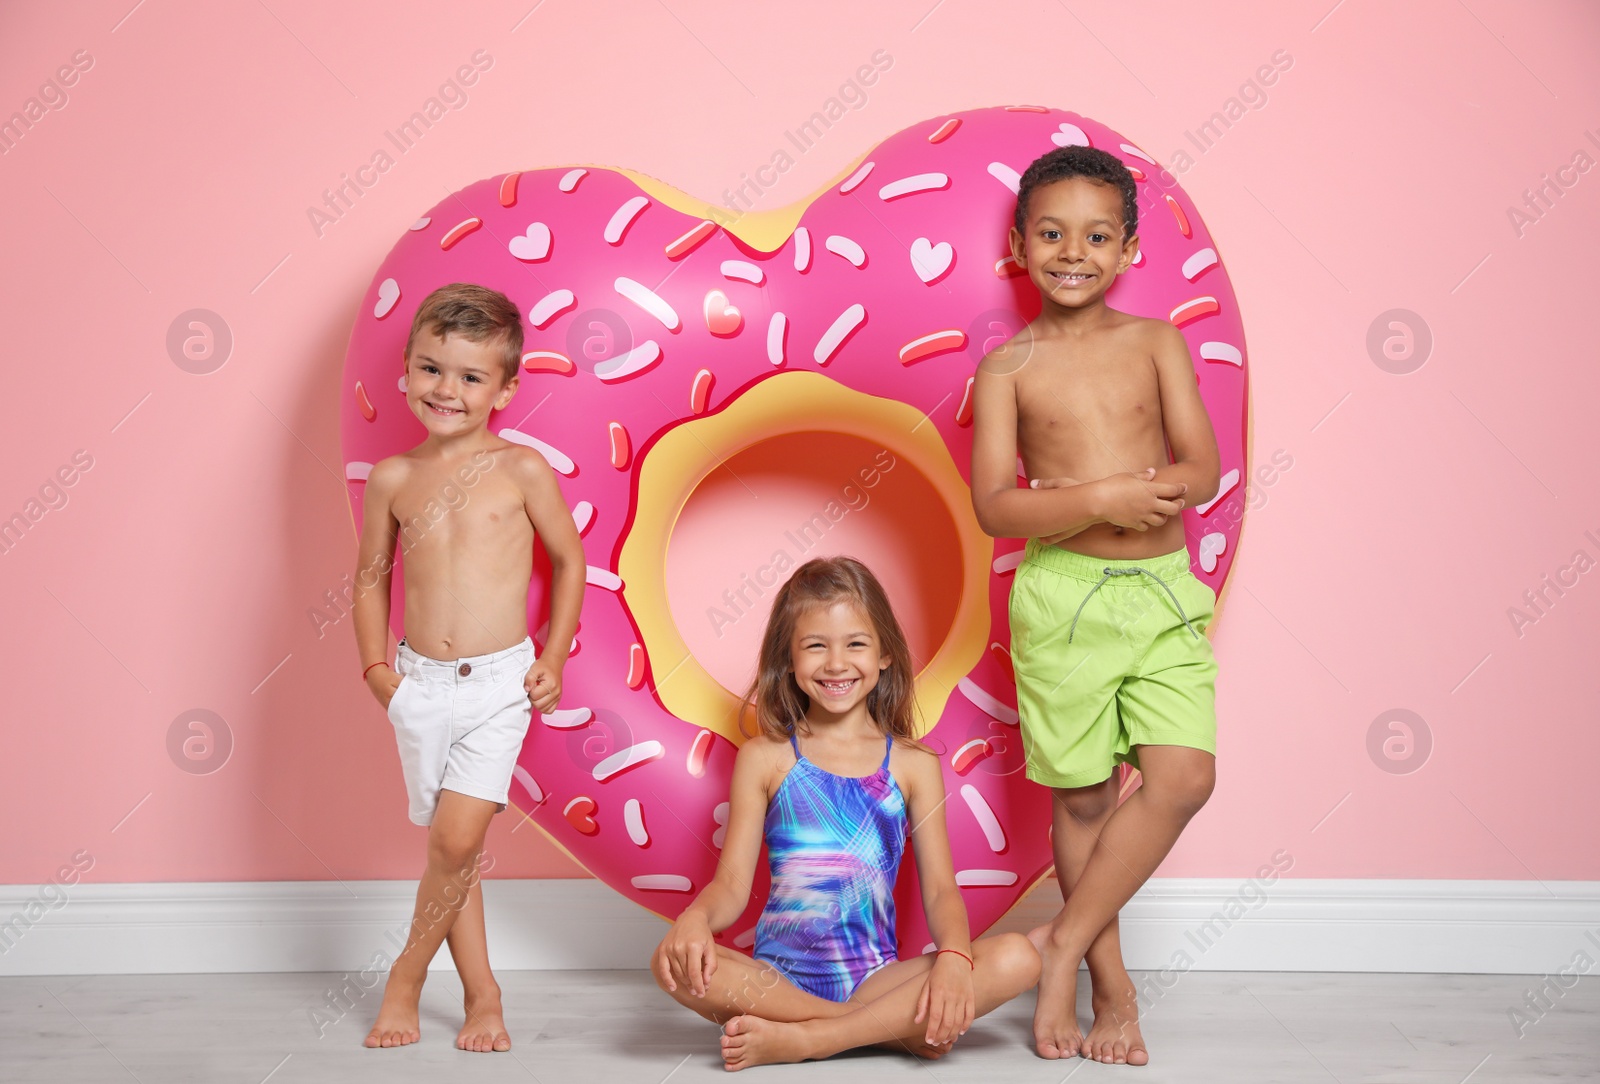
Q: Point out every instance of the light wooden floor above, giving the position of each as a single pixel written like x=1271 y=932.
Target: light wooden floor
x=595 y=1027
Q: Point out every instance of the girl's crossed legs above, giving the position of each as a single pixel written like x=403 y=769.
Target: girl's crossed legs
x=766 y=1018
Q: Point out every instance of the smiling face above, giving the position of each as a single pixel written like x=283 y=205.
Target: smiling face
x=453 y=383
x=836 y=658
x=1073 y=248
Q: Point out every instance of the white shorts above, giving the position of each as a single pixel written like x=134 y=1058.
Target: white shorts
x=460 y=724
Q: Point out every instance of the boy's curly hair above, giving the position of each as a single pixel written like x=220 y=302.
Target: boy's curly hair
x=477 y=314
x=1078 y=161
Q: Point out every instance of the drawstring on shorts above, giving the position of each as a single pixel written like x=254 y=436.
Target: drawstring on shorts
x=1109 y=572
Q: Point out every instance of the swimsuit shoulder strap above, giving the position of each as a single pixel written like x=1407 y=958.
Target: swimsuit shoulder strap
x=794 y=745
x=888 y=747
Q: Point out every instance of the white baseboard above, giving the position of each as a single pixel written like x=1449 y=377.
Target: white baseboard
x=1493 y=927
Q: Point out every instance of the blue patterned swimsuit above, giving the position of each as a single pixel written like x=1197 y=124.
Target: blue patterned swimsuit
x=834 y=843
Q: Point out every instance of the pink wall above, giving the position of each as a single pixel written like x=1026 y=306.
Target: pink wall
x=1375 y=573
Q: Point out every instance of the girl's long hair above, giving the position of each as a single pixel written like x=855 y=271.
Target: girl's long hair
x=777 y=702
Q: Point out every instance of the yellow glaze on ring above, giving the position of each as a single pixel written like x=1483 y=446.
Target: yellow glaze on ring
x=789 y=403
x=762 y=230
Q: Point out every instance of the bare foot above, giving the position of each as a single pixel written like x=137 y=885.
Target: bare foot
x=485 y=1028
x=750 y=1040
x=920 y=1048
x=1055 y=1017
x=397 y=1016
x=1114 y=1037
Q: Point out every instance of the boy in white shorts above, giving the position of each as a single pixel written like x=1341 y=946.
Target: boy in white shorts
x=465 y=507
x=460 y=724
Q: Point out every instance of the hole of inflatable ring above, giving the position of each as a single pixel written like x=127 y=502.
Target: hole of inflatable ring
x=798 y=467
x=784 y=501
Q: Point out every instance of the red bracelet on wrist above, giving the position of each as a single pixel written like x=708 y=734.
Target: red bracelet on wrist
x=368 y=670
x=959 y=953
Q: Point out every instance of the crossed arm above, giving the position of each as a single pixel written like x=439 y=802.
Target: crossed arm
x=1052 y=509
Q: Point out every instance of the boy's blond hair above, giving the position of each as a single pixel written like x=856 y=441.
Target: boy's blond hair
x=476 y=313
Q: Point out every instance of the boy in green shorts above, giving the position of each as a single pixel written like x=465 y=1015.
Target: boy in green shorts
x=1107 y=622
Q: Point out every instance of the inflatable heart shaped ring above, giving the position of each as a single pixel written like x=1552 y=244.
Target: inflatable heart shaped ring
x=726 y=396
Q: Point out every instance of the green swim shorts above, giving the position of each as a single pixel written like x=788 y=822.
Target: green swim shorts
x=1109 y=655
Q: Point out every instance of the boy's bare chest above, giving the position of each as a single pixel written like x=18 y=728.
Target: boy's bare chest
x=1087 y=395
x=437 y=510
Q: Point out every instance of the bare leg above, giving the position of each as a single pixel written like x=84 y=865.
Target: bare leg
x=1132 y=843
x=455 y=840
x=1079 y=814
x=885 y=1014
x=485 y=1027
x=741 y=984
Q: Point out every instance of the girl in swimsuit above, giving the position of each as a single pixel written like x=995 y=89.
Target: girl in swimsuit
x=831 y=781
